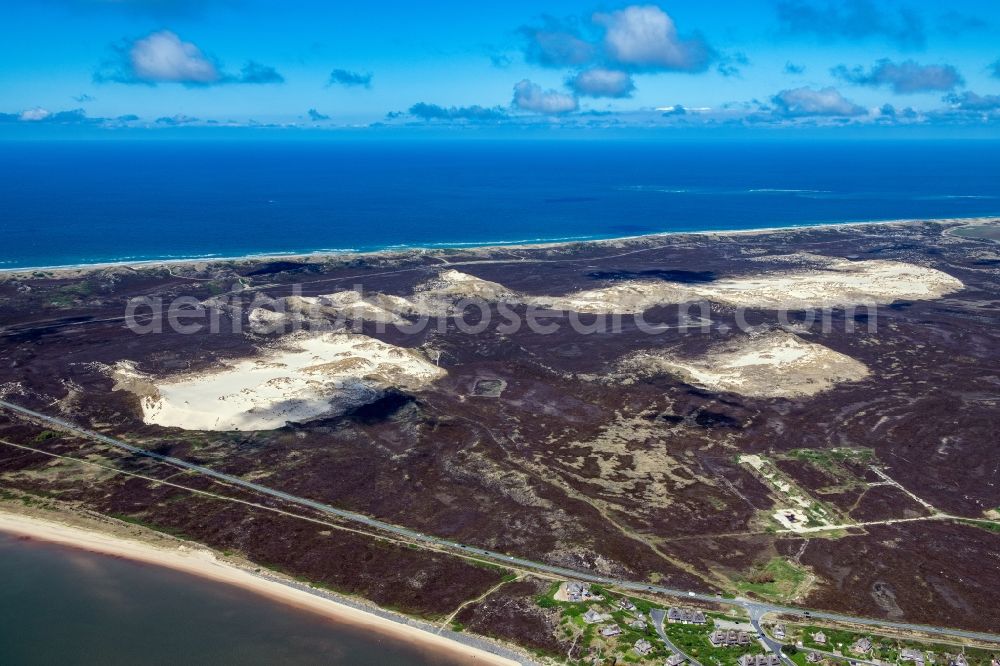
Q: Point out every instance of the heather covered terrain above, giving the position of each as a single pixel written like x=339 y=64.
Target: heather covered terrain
x=726 y=442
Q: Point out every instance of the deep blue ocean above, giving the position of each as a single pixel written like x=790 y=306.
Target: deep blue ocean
x=96 y=201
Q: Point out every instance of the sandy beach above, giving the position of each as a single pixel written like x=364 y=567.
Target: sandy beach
x=486 y=247
x=203 y=563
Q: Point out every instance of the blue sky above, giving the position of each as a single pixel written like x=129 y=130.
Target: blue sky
x=546 y=64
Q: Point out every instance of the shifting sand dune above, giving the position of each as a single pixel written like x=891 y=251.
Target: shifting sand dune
x=776 y=364
x=438 y=297
x=300 y=379
x=824 y=282
x=818 y=282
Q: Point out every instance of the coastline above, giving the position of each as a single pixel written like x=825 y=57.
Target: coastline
x=201 y=562
x=486 y=246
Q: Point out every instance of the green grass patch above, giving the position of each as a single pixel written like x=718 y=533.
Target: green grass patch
x=547 y=600
x=829 y=456
x=66 y=295
x=778 y=580
x=988 y=526
x=693 y=639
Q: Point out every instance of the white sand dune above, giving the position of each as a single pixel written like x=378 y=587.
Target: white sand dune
x=441 y=295
x=627 y=297
x=438 y=297
x=330 y=309
x=826 y=282
x=776 y=364
x=835 y=282
x=302 y=378
x=817 y=282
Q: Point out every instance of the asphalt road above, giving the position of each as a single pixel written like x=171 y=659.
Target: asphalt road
x=755 y=609
x=767 y=641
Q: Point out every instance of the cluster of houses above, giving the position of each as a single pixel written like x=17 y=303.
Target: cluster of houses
x=580 y=592
x=729 y=638
x=642 y=647
x=760 y=660
x=685 y=616
x=864 y=646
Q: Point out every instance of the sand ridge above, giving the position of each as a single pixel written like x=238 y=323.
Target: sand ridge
x=438 y=297
x=441 y=295
x=801 y=282
x=823 y=282
x=775 y=364
x=326 y=309
x=300 y=378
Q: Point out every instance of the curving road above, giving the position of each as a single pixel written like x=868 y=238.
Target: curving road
x=658 y=615
x=755 y=609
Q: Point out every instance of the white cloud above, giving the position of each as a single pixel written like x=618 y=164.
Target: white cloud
x=644 y=36
x=601 y=82
x=163 y=57
x=529 y=96
x=34 y=115
x=802 y=102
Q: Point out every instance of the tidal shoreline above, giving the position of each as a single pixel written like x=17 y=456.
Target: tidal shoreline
x=435 y=248
x=201 y=562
